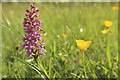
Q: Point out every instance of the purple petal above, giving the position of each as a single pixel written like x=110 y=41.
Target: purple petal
x=27 y=11
x=42 y=54
x=32 y=6
x=40 y=21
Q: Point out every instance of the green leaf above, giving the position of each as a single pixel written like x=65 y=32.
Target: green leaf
x=33 y=67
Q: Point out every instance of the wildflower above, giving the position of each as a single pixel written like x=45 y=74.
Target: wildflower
x=105 y=31
x=83 y=45
x=32 y=41
x=81 y=30
x=115 y=8
x=108 y=24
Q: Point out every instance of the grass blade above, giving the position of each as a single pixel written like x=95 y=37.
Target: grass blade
x=33 y=67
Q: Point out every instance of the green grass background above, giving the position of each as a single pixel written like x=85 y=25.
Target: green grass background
x=63 y=58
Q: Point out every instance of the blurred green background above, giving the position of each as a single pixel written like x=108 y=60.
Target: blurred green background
x=75 y=20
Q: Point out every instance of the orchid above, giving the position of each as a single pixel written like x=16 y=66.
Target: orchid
x=33 y=41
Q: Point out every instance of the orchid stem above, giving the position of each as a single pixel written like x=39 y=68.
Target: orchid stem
x=36 y=61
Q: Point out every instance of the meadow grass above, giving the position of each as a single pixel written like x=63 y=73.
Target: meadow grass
x=63 y=57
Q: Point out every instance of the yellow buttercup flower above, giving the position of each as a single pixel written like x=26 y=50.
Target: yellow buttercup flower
x=83 y=45
x=105 y=31
x=108 y=24
x=115 y=8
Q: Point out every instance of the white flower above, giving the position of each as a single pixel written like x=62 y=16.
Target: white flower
x=81 y=29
